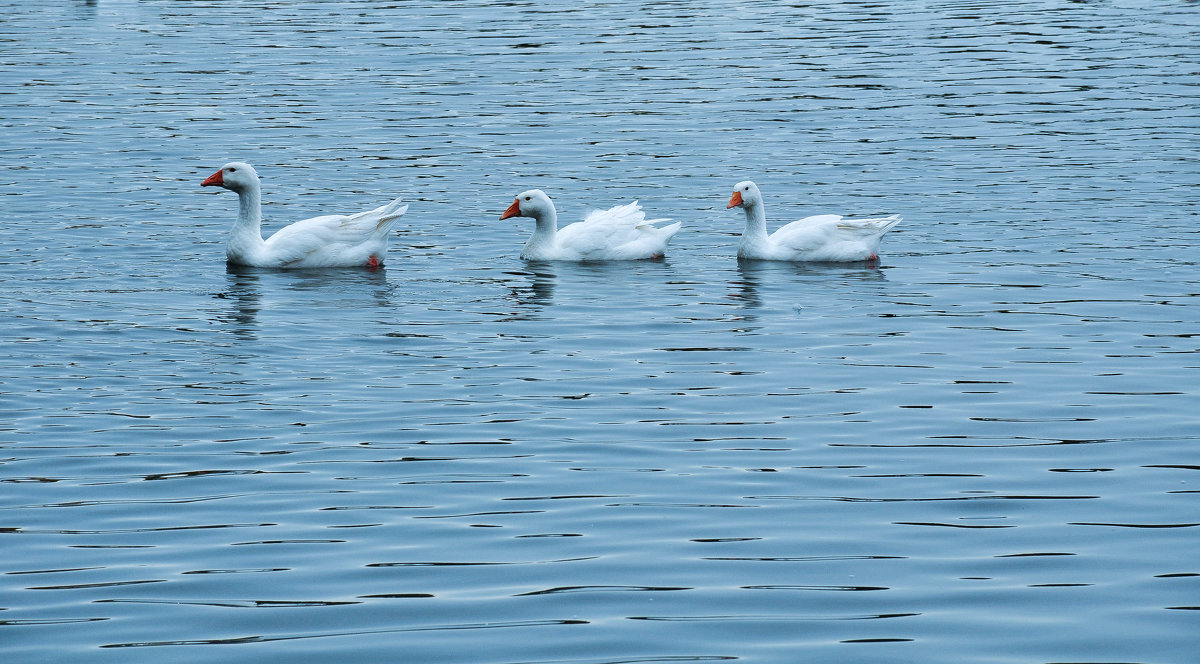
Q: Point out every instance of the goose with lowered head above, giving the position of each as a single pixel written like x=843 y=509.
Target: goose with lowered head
x=619 y=233
x=821 y=238
x=333 y=240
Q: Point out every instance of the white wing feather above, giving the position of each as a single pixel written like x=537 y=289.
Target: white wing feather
x=833 y=237
x=322 y=240
x=616 y=233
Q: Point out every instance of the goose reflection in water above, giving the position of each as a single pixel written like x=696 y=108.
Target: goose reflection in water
x=539 y=289
x=756 y=276
x=243 y=291
x=247 y=286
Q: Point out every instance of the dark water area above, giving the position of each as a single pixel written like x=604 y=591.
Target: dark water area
x=980 y=450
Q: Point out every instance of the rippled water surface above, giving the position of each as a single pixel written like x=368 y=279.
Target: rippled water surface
x=981 y=450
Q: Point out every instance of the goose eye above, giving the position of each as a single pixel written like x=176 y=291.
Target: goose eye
x=528 y=198
x=233 y=170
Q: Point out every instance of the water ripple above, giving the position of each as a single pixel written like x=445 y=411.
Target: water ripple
x=467 y=457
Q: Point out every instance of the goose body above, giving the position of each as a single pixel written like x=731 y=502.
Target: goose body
x=619 y=233
x=824 y=237
x=333 y=240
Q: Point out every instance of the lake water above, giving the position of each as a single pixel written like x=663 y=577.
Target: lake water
x=982 y=450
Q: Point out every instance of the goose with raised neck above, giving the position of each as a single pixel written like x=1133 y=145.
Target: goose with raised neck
x=618 y=233
x=820 y=238
x=333 y=240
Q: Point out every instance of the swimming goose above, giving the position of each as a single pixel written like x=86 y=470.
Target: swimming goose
x=333 y=240
x=619 y=233
x=824 y=237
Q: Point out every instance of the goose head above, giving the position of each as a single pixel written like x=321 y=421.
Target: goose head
x=745 y=195
x=533 y=203
x=236 y=176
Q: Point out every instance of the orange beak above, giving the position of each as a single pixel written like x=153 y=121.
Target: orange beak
x=513 y=210
x=214 y=180
x=734 y=200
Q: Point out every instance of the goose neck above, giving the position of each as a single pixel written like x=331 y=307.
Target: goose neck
x=541 y=245
x=246 y=236
x=756 y=222
x=250 y=207
x=547 y=221
x=547 y=227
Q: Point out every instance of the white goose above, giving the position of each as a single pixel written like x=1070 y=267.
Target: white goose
x=619 y=233
x=824 y=237
x=334 y=240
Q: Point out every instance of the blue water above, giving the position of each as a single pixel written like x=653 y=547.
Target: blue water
x=982 y=450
